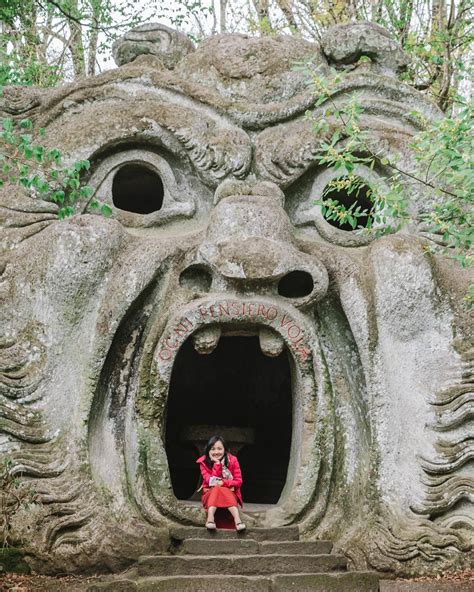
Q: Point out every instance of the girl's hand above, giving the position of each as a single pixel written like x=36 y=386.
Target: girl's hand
x=218 y=483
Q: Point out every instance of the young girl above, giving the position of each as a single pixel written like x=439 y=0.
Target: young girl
x=222 y=480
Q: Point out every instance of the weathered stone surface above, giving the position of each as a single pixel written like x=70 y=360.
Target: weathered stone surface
x=239 y=564
x=288 y=533
x=218 y=238
x=206 y=584
x=399 y=586
x=152 y=39
x=299 y=582
x=295 y=547
x=219 y=547
x=355 y=582
x=346 y=44
x=124 y=585
x=12 y=560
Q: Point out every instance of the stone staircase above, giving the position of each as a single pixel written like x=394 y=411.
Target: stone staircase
x=257 y=560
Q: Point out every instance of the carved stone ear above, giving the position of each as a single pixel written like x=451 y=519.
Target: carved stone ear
x=168 y=45
x=345 y=45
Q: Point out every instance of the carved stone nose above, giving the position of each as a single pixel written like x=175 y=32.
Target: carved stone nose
x=250 y=244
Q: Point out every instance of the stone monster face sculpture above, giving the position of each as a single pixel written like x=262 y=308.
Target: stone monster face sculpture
x=217 y=298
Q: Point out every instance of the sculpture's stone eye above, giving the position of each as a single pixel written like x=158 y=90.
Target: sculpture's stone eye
x=356 y=192
x=356 y=200
x=296 y=284
x=138 y=189
x=143 y=188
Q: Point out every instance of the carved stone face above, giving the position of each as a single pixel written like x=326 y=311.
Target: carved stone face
x=217 y=299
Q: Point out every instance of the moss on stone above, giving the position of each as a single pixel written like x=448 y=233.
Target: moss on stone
x=12 y=560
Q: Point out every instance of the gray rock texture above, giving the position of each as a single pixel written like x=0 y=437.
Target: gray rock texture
x=95 y=310
x=152 y=39
x=344 y=45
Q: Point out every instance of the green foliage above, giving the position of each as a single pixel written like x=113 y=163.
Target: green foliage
x=16 y=71
x=445 y=157
x=23 y=60
x=44 y=42
x=352 y=185
x=444 y=171
x=26 y=162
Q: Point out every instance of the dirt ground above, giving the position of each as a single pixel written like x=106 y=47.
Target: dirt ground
x=462 y=581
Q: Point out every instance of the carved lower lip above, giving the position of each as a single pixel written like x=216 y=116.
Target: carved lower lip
x=235 y=316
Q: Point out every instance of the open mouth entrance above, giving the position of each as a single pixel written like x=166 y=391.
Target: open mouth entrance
x=247 y=396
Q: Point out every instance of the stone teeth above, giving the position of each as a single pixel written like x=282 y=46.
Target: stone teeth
x=206 y=339
x=271 y=343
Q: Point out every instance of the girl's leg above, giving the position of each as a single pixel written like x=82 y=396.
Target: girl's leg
x=210 y=513
x=235 y=514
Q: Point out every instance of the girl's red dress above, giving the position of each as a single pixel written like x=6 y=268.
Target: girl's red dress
x=229 y=494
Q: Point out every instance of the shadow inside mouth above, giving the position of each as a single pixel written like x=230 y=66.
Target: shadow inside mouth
x=242 y=393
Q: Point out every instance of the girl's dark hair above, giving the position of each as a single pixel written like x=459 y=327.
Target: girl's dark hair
x=209 y=445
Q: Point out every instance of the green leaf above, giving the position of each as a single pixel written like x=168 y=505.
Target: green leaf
x=7 y=125
x=73 y=183
x=54 y=154
x=106 y=210
x=26 y=124
x=85 y=191
x=58 y=196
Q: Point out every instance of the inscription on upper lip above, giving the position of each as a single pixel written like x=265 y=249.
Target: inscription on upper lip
x=223 y=311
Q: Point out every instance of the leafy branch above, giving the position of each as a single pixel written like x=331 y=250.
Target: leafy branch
x=39 y=170
x=443 y=164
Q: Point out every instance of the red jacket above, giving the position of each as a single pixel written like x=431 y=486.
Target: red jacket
x=216 y=471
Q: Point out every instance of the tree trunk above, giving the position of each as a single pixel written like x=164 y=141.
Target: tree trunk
x=76 y=45
x=96 y=6
x=222 y=16
x=262 y=8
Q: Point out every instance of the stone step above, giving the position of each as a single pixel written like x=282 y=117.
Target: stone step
x=219 y=547
x=238 y=564
x=205 y=584
x=295 y=547
x=338 y=582
x=248 y=546
x=317 y=582
x=283 y=533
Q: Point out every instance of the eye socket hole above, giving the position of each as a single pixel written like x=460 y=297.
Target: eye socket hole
x=359 y=197
x=296 y=284
x=137 y=189
x=197 y=278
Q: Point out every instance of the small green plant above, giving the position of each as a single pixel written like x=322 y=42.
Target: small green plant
x=25 y=161
x=13 y=495
x=355 y=215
